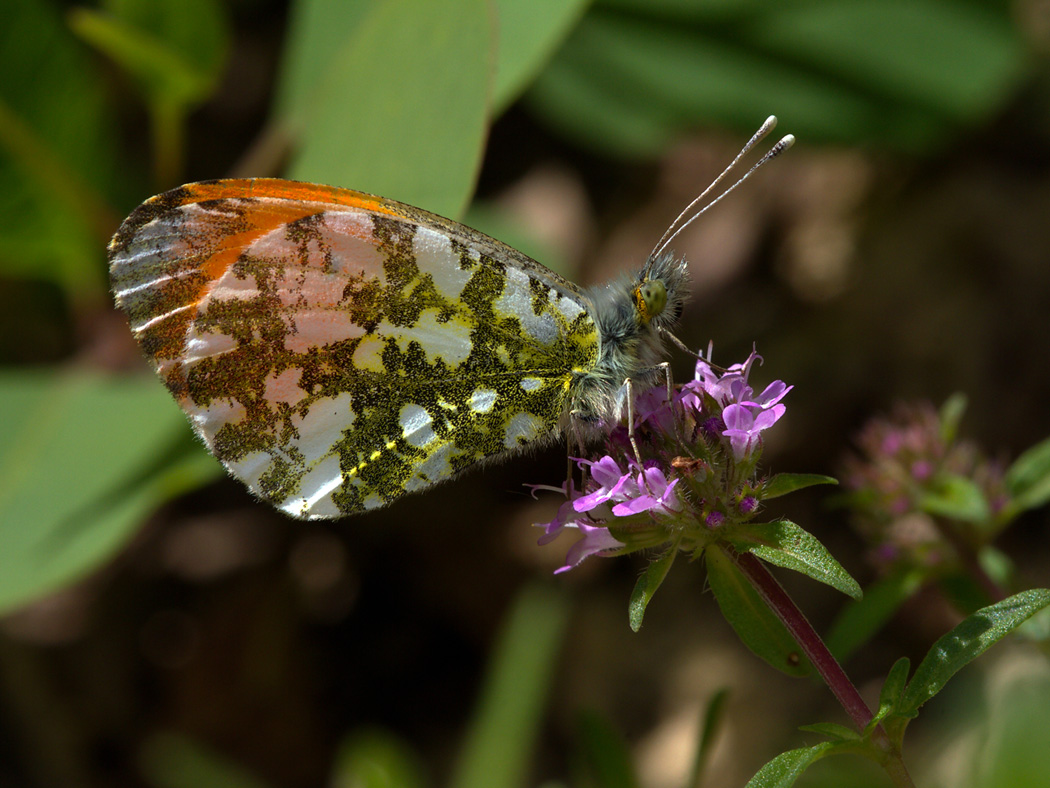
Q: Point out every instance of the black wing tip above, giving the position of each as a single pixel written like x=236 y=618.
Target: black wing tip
x=143 y=215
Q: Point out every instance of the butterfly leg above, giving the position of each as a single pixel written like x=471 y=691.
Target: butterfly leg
x=680 y=344
x=574 y=436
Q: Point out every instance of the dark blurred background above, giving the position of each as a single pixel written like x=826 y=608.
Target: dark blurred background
x=161 y=628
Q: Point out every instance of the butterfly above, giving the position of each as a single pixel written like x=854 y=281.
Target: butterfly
x=336 y=350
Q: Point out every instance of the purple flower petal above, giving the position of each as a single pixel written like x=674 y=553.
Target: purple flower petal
x=596 y=540
x=615 y=484
x=773 y=393
x=643 y=503
x=566 y=515
x=605 y=471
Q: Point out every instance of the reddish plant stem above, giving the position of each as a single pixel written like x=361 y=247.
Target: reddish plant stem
x=834 y=676
x=808 y=640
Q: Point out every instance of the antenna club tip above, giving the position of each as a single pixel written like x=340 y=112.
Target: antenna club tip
x=787 y=141
x=771 y=121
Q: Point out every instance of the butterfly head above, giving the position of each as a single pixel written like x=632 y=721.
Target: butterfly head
x=660 y=291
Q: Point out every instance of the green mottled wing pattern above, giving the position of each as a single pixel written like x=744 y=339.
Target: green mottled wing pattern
x=336 y=350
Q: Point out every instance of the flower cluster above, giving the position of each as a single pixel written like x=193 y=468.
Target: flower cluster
x=915 y=489
x=684 y=470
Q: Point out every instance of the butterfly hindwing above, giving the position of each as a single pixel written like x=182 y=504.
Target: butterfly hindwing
x=337 y=350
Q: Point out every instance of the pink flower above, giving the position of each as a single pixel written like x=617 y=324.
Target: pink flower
x=680 y=476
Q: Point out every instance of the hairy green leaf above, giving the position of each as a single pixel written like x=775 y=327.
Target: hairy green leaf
x=647 y=584
x=967 y=641
x=752 y=620
x=783 y=543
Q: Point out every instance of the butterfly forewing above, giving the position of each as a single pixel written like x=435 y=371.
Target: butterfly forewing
x=337 y=350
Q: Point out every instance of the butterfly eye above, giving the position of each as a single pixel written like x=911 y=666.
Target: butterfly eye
x=650 y=297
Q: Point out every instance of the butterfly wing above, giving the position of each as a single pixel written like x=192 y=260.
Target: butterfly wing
x=337 y=350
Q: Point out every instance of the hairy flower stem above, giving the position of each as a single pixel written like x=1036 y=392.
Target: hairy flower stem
x=811 y=644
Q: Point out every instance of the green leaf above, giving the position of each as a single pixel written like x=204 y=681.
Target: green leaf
x=164 y=70
x=848 y=772
x=890 y=694
x=503 y=729
x=752 y=620
x=1014 y=732
x=317 y=32
x=714 y=716
x=786 y=768
x=529 y=33
x=962 y=590
x=967 y=641
x=860 y=620
x=783 y=543
x=175 y=51
x=82 y=460
x=954 y=60
x=400 y=107
x=605 y=753
x=999 y=566
x=197 y=31
x=57 y=153
x=957 y=498
x=950 y=415
x=171 y=760
x=1028 y=479
x=374 y=758
x=647 y=584
x=832 y=730
x=784 y=483
x=904 y=74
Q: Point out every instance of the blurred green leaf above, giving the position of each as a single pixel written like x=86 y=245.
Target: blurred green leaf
x=951 y=62
x=784 y=483
x=174 y=50
x=605 y=754
x=752 y=620
x=400 y=108
x=376 y=759
x=1028 y=479
x=785 y=544
x=647 y=584
x=529 y=33
x=904 y=74
x=860 y=620
x=504 y=726
x=999 y=566
x=957 y=498
x=786 y=768
x=81 y=463
x=951 y=414
x=318 y=30
x=164 y=70
x=962 y=590
x=710 y=726
x=57 y=153
x=171 y=760
x=1015 y=740
x=196 y=31
x=967 y=641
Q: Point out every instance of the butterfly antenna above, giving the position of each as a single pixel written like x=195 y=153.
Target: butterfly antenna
x=757 y=137
x=678 y=225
